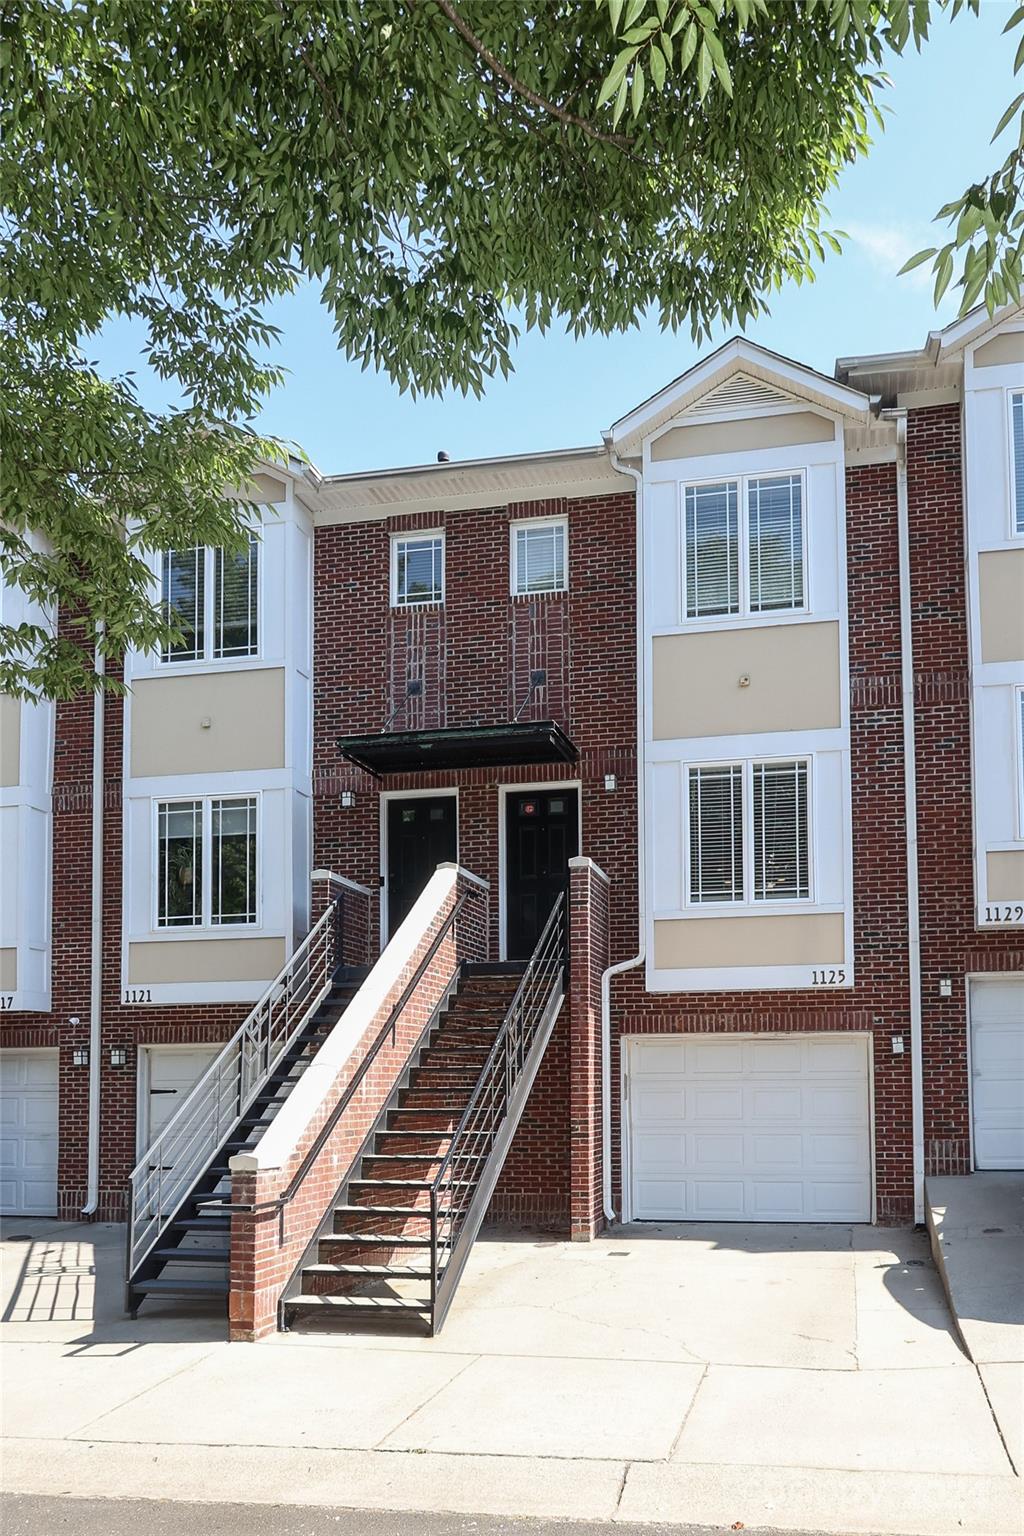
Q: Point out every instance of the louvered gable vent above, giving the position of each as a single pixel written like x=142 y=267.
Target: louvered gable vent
x=739 y=393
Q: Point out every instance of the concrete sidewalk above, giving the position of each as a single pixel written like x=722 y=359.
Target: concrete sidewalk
x=798 y=1378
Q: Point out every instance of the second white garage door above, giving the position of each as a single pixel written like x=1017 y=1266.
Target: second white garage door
x=997 y=1067
x=29 y=1100
x=749 y=1128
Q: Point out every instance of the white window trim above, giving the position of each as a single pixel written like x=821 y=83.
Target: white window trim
x=208 y=661
x=744 y=613
x=1014 y=533
x=415 y=536
x=537 y=522
x=1018 y=729
x=748 y=905
x=207 y=928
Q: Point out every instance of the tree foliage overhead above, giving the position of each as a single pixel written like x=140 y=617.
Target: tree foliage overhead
x=438 y=167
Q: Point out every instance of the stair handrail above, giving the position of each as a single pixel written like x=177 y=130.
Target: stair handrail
x=217 y=1101
x=512 y=1057
x=389 y=1027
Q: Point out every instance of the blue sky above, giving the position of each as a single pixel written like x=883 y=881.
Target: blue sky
x=945 y=104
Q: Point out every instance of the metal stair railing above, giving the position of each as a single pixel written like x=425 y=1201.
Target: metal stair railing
x=465 y=1180
x=179 y=1155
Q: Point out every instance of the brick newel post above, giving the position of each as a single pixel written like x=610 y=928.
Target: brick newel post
x=588 y=959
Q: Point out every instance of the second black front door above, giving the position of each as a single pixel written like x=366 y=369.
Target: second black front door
x=542 y=833
x=422 y=834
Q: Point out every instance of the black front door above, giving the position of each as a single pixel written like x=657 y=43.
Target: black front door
x=542 y=833
x=421 y=835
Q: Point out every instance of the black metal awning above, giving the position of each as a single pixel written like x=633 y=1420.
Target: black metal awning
x=461 y=746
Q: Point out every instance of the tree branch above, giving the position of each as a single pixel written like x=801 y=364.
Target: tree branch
x=494 y=64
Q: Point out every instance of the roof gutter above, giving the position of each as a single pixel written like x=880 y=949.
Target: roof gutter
x=641 y=774
x=92 y=1198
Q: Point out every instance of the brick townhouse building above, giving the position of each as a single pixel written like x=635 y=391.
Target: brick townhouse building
x=746 y=681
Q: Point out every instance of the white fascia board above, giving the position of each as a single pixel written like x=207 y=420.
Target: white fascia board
x=803 y=383
x=970 y=327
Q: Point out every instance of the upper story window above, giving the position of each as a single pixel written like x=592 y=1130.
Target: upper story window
x=1017 y=428
x=206 y=863
x=748 y=832
x=539 y=557
x=214 y=595
x=744 y=564
x=417 y=570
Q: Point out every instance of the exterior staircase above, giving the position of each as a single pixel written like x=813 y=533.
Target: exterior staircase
x=371 y=1255
x=191 y=1258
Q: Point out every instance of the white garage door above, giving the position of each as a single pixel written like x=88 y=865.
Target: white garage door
x=28 y=1133
x=997 y=1067
x=734 y=1128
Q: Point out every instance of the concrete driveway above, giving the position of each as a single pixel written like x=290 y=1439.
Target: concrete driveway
x=801 y=1378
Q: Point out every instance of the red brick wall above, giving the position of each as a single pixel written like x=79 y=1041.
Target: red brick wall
x=951 y=946
x=584 y=640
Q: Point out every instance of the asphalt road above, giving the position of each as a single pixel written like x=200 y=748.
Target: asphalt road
x=32 y=1515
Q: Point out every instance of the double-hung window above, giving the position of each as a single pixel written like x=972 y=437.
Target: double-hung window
x=539 y=561
x=1017 y=463
x=207 y=861
x=417 y=570
x=749 y=837
x=744 y=546
x=213 y=596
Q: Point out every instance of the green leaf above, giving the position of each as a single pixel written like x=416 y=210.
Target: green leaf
x=657 y=61
x=917 y=260
x=1007 y=115
x=703 y=69
x=639 y=86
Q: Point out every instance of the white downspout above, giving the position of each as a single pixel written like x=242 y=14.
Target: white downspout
x=910 y=783
x=639 y=957
x=92 y=1198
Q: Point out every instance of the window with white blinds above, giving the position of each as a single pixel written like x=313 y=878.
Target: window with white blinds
x=1017 y=419
x=716 y=833
x=417 y=570
x=538 y=557
x=183 y=601
x=712 y=550
x=213 y=595
x=207 y=862
x=776 y=543
x=235 y=601
x=752 y=564
x=748 y=832
x=781 y=868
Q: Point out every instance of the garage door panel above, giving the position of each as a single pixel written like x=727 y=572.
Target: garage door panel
x=713 y=1058
x=658 y=1059
x=710 y=1106
x=718 y=1199
x=997 y=1067
x=716 y=1153
x=29 y=1100
x=775 y=1057
x=773 y=1103
x=778 y=1141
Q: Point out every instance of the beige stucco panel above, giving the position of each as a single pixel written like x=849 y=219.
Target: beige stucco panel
x=698 y=943
x=10 y=741
x=184 y=960
x=1008 y=348
x=794 y=681
x=742 y=436
x=8 y=970
x=1001 y=584
x=1005 y=875
x=246 y=714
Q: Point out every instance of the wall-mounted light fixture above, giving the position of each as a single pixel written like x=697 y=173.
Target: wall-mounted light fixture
x=348 y=799
x=80 y=1056
x=610 y=782
x=118 y=1056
